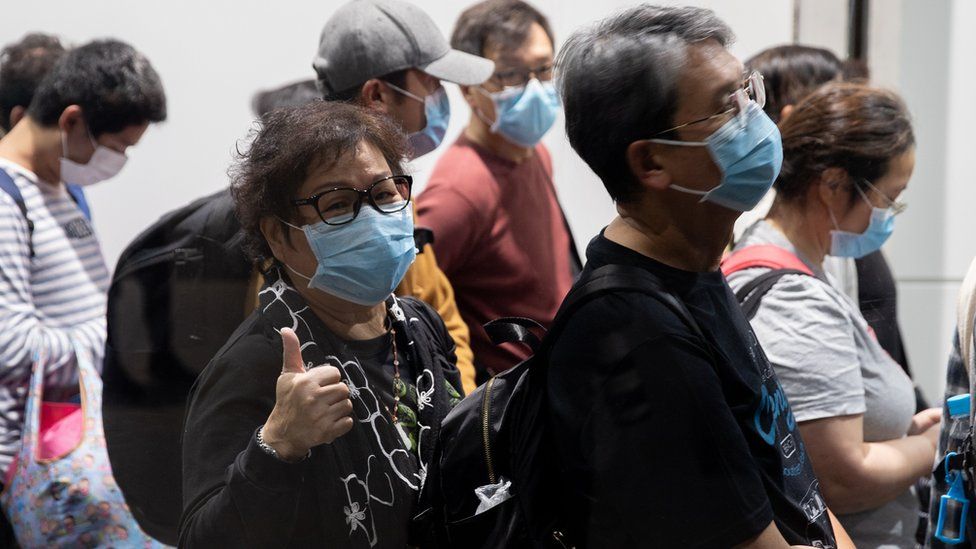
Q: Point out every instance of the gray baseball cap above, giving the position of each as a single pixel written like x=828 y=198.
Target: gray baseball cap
x=370 y=38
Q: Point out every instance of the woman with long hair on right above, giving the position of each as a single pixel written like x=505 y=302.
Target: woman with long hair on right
x=849 y=152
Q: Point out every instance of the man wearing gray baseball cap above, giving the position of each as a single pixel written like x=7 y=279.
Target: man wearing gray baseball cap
x=380 y=52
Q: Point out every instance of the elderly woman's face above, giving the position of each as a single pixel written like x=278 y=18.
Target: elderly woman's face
x=358 y=170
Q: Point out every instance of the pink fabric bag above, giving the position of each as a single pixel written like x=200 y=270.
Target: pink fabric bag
x=61 y=492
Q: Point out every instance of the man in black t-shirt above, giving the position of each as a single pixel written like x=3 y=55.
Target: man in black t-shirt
x=666 y=438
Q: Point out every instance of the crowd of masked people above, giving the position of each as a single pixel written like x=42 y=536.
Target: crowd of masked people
x=272 y=365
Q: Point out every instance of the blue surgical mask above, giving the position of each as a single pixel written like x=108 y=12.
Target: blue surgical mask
x=524 y=114
x=749 y=152
x=362 y=261
x=858 y=245
x=437 y=110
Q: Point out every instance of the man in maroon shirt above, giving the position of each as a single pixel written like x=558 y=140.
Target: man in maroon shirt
x=502 y=239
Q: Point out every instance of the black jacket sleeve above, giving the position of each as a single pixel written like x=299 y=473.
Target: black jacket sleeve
x=235 y=494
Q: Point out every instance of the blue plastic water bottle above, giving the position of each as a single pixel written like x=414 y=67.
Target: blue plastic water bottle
x=954 y=505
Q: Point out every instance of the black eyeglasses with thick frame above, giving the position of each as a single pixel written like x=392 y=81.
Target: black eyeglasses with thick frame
x=338 y=214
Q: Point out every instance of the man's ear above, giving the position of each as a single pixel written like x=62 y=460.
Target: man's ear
x=470 y=94
x=16 y=114
x=374 y=95
x=274 y=234
x=70 y=117
x=645 y=167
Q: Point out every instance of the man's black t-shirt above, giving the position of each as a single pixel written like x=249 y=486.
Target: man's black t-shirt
x=668 y=441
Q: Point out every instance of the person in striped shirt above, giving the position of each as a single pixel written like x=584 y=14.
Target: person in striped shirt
x=94 y=103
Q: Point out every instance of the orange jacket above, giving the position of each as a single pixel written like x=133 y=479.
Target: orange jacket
x=425 y=281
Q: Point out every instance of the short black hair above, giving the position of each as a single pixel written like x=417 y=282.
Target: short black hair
x=496 y=23
x=23 y=65
x=289 y=95
x=791 y=72
x=351 y=95
x=618 y=79
x=114 y=85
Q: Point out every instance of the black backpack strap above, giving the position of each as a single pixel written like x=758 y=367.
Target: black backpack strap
x=8 y=186
x=615 y=278
x=750 y=294
x=422 y=236
x=515 y=329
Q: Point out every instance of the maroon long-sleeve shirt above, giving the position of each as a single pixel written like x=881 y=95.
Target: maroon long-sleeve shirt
x=501 y=239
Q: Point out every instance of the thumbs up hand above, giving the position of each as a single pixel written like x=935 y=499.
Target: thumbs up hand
x=311 y=407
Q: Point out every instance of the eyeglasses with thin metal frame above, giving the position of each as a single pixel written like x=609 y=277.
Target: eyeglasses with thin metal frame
x=341 y=205
x=752 y=90
x=520 y=77
x=896 y=206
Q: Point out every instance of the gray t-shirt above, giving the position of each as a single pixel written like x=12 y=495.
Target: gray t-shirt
x=830 y=364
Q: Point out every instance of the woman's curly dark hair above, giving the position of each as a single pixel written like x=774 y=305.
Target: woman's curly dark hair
x=856 y=127
x=287 y=145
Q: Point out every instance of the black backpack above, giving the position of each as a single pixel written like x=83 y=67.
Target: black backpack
x=178 y=292
x=500 y=432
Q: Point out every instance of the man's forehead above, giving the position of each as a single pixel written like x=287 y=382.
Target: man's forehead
x=709 y=71
x=709 y=60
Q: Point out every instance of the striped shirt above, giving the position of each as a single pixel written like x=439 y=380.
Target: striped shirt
x=49 y=303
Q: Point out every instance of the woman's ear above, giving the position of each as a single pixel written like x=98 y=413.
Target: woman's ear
x=646 y=166
x=831 y=188
x=274 y=234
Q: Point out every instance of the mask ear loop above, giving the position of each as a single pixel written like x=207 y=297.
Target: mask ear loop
x=830 y=210
x=287 y=266
x=493 y=126
x=64 y=141
x=833 y=219
x=413 y=96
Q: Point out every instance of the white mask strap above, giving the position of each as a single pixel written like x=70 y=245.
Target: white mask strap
x=679 y=143
x=690 y=191
x=415 y=97
x=287 y=266
x=833 y=219
x=297 y=228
